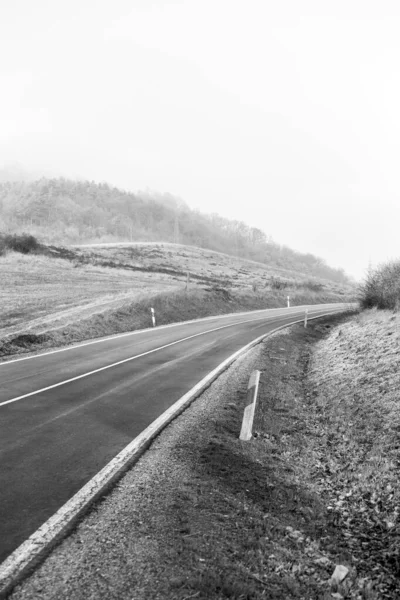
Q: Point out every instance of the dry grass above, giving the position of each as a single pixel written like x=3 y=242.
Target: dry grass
x=229 y=270
x=360 y=394
x=65 y=295
x=328 y=416
x=352 y=392
x=38 y=292
x=381 y=288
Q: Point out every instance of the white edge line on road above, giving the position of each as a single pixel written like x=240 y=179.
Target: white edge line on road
x=125 y=360
x=37 y=546
x=149 y=329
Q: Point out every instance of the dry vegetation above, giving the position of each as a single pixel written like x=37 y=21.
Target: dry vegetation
x=61 y=295
x=381 y=288
x=328 y=423
x=228 y=270
x=354 y=392
x=39 y=292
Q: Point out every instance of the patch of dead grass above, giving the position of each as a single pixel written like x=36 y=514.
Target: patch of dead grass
x=38 y=292
x=65 y=295
x=225 y=269
x=352 y=391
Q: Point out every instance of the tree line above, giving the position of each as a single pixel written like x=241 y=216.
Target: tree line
x=68 y=211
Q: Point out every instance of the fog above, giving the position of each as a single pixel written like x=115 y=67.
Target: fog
x=282 y=114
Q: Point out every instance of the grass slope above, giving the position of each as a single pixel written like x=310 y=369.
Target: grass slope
x=63 y=295
x=353 y=389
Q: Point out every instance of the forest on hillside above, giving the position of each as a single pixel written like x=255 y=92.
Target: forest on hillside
x=66 y=211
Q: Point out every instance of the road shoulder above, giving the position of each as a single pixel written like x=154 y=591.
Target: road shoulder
x=204 y=515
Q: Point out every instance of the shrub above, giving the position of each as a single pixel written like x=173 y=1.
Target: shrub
x=278 y=284
x=382 y=287
x=23 y=242
x=313 y=286
x=220 y=290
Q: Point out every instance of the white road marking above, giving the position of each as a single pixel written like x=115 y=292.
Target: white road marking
x=125 y=360
x=149 y=329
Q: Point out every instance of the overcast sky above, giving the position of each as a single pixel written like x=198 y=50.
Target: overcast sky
x=281 y=113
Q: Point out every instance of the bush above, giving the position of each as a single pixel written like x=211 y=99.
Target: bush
x=278 y=284
x=382 y=287
x=23 y=242
x=313 y=286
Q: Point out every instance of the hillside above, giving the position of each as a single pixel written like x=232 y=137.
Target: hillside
x=62 y=211
x=59 y=295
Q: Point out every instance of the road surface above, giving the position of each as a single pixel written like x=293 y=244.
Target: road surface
x=65 y=414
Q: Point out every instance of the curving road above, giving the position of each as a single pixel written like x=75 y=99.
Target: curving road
x=65 y=414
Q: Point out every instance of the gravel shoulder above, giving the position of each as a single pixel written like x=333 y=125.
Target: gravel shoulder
x=204 y=515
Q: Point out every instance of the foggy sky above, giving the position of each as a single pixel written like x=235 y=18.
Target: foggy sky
x=284 y=114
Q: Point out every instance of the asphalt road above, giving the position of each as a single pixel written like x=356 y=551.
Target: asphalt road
x=64 y=415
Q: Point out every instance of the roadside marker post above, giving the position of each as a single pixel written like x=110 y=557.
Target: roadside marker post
x=305 y=317
x=153 y=318
x=288 y=301
x=248 y=417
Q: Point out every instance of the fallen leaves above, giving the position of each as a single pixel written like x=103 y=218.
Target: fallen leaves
x=357 y=446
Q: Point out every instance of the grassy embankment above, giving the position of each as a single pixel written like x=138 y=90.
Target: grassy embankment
x=56 y=296
x=318 y=486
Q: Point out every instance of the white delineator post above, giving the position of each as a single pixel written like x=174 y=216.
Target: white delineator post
x=305 y=317
x=248 y=417
x=153 y=318
x=288 y=301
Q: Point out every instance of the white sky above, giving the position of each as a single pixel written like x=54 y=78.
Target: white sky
x=281 y=113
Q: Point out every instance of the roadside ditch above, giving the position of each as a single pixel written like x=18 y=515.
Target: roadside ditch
x=204 y=515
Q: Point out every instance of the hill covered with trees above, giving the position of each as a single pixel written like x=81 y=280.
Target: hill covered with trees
x=70 y=212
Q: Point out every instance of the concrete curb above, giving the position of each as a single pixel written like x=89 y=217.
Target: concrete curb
x=246 y=431
x=39 y=544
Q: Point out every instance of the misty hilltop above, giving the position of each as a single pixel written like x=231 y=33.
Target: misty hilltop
x=65 y=211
